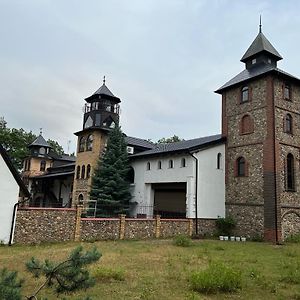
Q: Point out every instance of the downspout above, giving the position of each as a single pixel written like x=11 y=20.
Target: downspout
x=13 y=220
x=196 y=190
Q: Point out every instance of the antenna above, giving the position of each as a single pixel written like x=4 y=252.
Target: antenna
x=69 y=142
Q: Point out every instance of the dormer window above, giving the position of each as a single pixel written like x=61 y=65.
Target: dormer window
x=245 y=94
x=253 y=61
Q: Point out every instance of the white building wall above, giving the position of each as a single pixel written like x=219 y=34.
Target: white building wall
x=9 y=191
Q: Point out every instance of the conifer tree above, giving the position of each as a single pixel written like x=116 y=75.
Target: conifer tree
x=110 y=184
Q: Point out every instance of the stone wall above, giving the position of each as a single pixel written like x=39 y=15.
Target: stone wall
x=37 y=225
x=170 y=228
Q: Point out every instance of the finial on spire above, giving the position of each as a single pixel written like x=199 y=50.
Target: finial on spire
x=104 y=79
x=41 y=131
x=260 y=24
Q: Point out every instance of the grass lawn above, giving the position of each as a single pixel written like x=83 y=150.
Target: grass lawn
x=157 y=269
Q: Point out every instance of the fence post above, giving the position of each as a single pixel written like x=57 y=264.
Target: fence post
x=157 y=226
x=77 y=234
x=122 y=227
x=191 y=225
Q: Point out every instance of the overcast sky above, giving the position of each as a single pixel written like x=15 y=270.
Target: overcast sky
x=163 y=58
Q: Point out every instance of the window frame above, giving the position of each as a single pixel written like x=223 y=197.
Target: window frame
x=82 y=172
x=81 y=146
x=171 y=164
x=89 y=142
x=245 y=89
x=241 y=167
x=290 y=173
x=288 y=124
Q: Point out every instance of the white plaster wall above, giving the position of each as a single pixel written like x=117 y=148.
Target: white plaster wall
x=9 y=191
x=211 y=183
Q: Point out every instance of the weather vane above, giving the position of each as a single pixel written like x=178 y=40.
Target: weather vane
x=41 y=131
x=260 y=23
x=104 y=79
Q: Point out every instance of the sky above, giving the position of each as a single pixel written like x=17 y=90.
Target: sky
x=163 y=58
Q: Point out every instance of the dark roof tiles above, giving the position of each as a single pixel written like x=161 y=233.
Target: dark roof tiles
x=130 y=140
x=104 y=90
x=40 y=141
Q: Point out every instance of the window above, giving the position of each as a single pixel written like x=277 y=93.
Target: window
x=219 y=160
x=246 y=125
x=88 y=171
x=89 y=143
x=253 y=61
x=78 y=172
x=131 y=175
x=269 y=60
x=81 y=144
x=88 y=122
x=288 y=124
x=159 y=165
x=241 y=167
x=290 y=178
x=245 y=94
x=43 y=166
x=171 y=164
x=287 y=91
x=183 y=163
x=148 y=167
x=80 y=198
x=42 y=150
x=82 y=171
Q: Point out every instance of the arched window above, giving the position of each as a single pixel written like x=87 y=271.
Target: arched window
x=287 y=91
x=80 y=198
x=288 y=124
x=81 y=144
x=43 y=165
x=183 y=163
x=83 y=172
x=42 y=150
x=159 y=165
x=245 y=94
x=89 y=143
x=78 y=172
x=241 y=166
x=290 y=177
x=246 y=125
x=131 y=175
x=148 y=167
x=171 y=164
x=88 y=171
x=219 y=160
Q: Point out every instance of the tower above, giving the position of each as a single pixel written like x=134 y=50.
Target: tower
x=101 y=113
x=260 y=120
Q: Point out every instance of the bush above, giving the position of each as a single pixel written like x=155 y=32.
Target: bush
x=182 y=241
x=225 y=225
x=216 y=278
x=107 y=274
x=293 y=238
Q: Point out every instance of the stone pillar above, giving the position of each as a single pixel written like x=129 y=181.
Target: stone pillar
x=77 y=234
x=122 y=227
x=191 y=226
x=157 y=226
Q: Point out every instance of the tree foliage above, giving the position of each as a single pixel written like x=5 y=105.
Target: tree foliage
x=171 y=139
x=56 y=147
x=67 y=276
x=110 y=184
x=10 y=285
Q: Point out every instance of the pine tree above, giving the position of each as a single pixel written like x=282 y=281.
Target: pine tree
x=110 y=184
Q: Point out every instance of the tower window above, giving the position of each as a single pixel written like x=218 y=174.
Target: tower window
x=80 y=198
x=290 y=174
x=82 y=172
x=88 y=171
x=148 y=167
x=159 y=165
x=183 y=163
x=245 y=94
x=89 y=143
x=287 y=92
x=288 y=124
x=171 y=164
x=246 y=125
x=241 y=167
x=43 y=166
x=81 y=144
x=219 y=160
x=78 y=172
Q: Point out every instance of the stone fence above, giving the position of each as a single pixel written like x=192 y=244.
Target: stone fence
x=36 y=225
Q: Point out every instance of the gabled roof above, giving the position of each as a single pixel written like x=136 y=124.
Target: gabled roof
x=40 y=141
x=104 y=90
x=13 y=171
x=183 y=146
x=260 y=44
x=133 y=141
x=248 y=74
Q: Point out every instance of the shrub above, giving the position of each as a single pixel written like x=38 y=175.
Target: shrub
x=293 y=238
x=108 y=274
x=216 y=278
x=182 y=241
x=225 y=225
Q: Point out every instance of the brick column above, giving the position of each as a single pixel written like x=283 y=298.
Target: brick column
x=191 y=226
x=122 y=227
x=77 y=234
x=157 y=226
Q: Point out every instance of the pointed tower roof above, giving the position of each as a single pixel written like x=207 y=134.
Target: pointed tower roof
x=104 y=90
x=259 y=45
x=40 y=141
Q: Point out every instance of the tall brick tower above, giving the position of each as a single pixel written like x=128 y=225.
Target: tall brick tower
x=101 y=113
x=261 y=122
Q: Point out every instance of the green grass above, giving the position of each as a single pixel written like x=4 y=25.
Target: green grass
x=158 y=269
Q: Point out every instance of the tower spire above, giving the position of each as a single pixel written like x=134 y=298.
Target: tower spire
x=260 y=24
